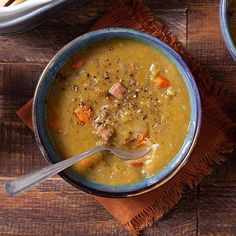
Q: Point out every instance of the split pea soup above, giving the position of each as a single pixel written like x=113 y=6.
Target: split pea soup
x=123 y=92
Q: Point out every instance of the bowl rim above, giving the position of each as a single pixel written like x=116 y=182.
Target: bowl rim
x=195 y=95
x=224 y=26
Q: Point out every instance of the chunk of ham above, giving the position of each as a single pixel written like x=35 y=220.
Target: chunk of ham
x=117 y=90
x=104 y=132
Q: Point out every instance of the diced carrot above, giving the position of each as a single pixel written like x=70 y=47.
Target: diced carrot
x=86 y=163
x=84 y=114
x=141 y=138
x=161 y=82
x=137 y=163
x=77 y=63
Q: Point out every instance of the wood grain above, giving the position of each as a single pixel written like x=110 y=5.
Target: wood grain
x=18 y=150
x=182 y=220
x=55 y=207
x=206 y=44
x=40 y=44
x=217 y=209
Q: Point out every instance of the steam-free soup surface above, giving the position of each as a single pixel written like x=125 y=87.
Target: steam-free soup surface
x=123 y=92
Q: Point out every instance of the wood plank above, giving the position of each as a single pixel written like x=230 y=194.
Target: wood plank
x=175 y=19
x=19 y=153
x=166 y=5
x=201 y=3
x=217 y=193
x=55 y=208
x=18 y=150
x=226 y=74
x=222 y=173
x=41 y=43
x=17 y=85
x=206 y=44
x=181 y=220
x=217 y=209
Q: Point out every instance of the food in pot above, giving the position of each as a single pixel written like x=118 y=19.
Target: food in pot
x=123 y=92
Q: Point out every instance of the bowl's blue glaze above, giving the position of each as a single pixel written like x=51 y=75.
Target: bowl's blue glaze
x=43 y=137
x=225 y=29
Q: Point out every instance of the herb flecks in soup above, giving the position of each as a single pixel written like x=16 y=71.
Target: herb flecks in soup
x=232 y=19
x=123 y=92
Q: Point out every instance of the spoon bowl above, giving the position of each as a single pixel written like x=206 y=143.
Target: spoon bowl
x=128 y=154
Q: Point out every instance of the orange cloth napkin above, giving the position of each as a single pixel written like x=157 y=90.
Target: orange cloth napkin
x=136 y=213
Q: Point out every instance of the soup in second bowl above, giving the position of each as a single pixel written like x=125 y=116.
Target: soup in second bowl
x=123 y=92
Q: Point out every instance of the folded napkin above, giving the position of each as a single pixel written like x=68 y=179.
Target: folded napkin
x=136 y=213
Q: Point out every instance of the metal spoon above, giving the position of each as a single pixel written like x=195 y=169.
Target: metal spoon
x=25 y=182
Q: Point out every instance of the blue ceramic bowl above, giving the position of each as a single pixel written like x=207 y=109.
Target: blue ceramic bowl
x=225 y=30
x=46 y=145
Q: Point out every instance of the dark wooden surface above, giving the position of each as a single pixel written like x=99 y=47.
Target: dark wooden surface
x=56 y=208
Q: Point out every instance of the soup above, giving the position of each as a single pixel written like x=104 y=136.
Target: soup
x=232 y=19
x=123 y=92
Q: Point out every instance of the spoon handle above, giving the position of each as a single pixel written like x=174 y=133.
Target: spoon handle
x=25 y=182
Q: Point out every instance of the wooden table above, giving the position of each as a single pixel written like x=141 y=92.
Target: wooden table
x=55 y=207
